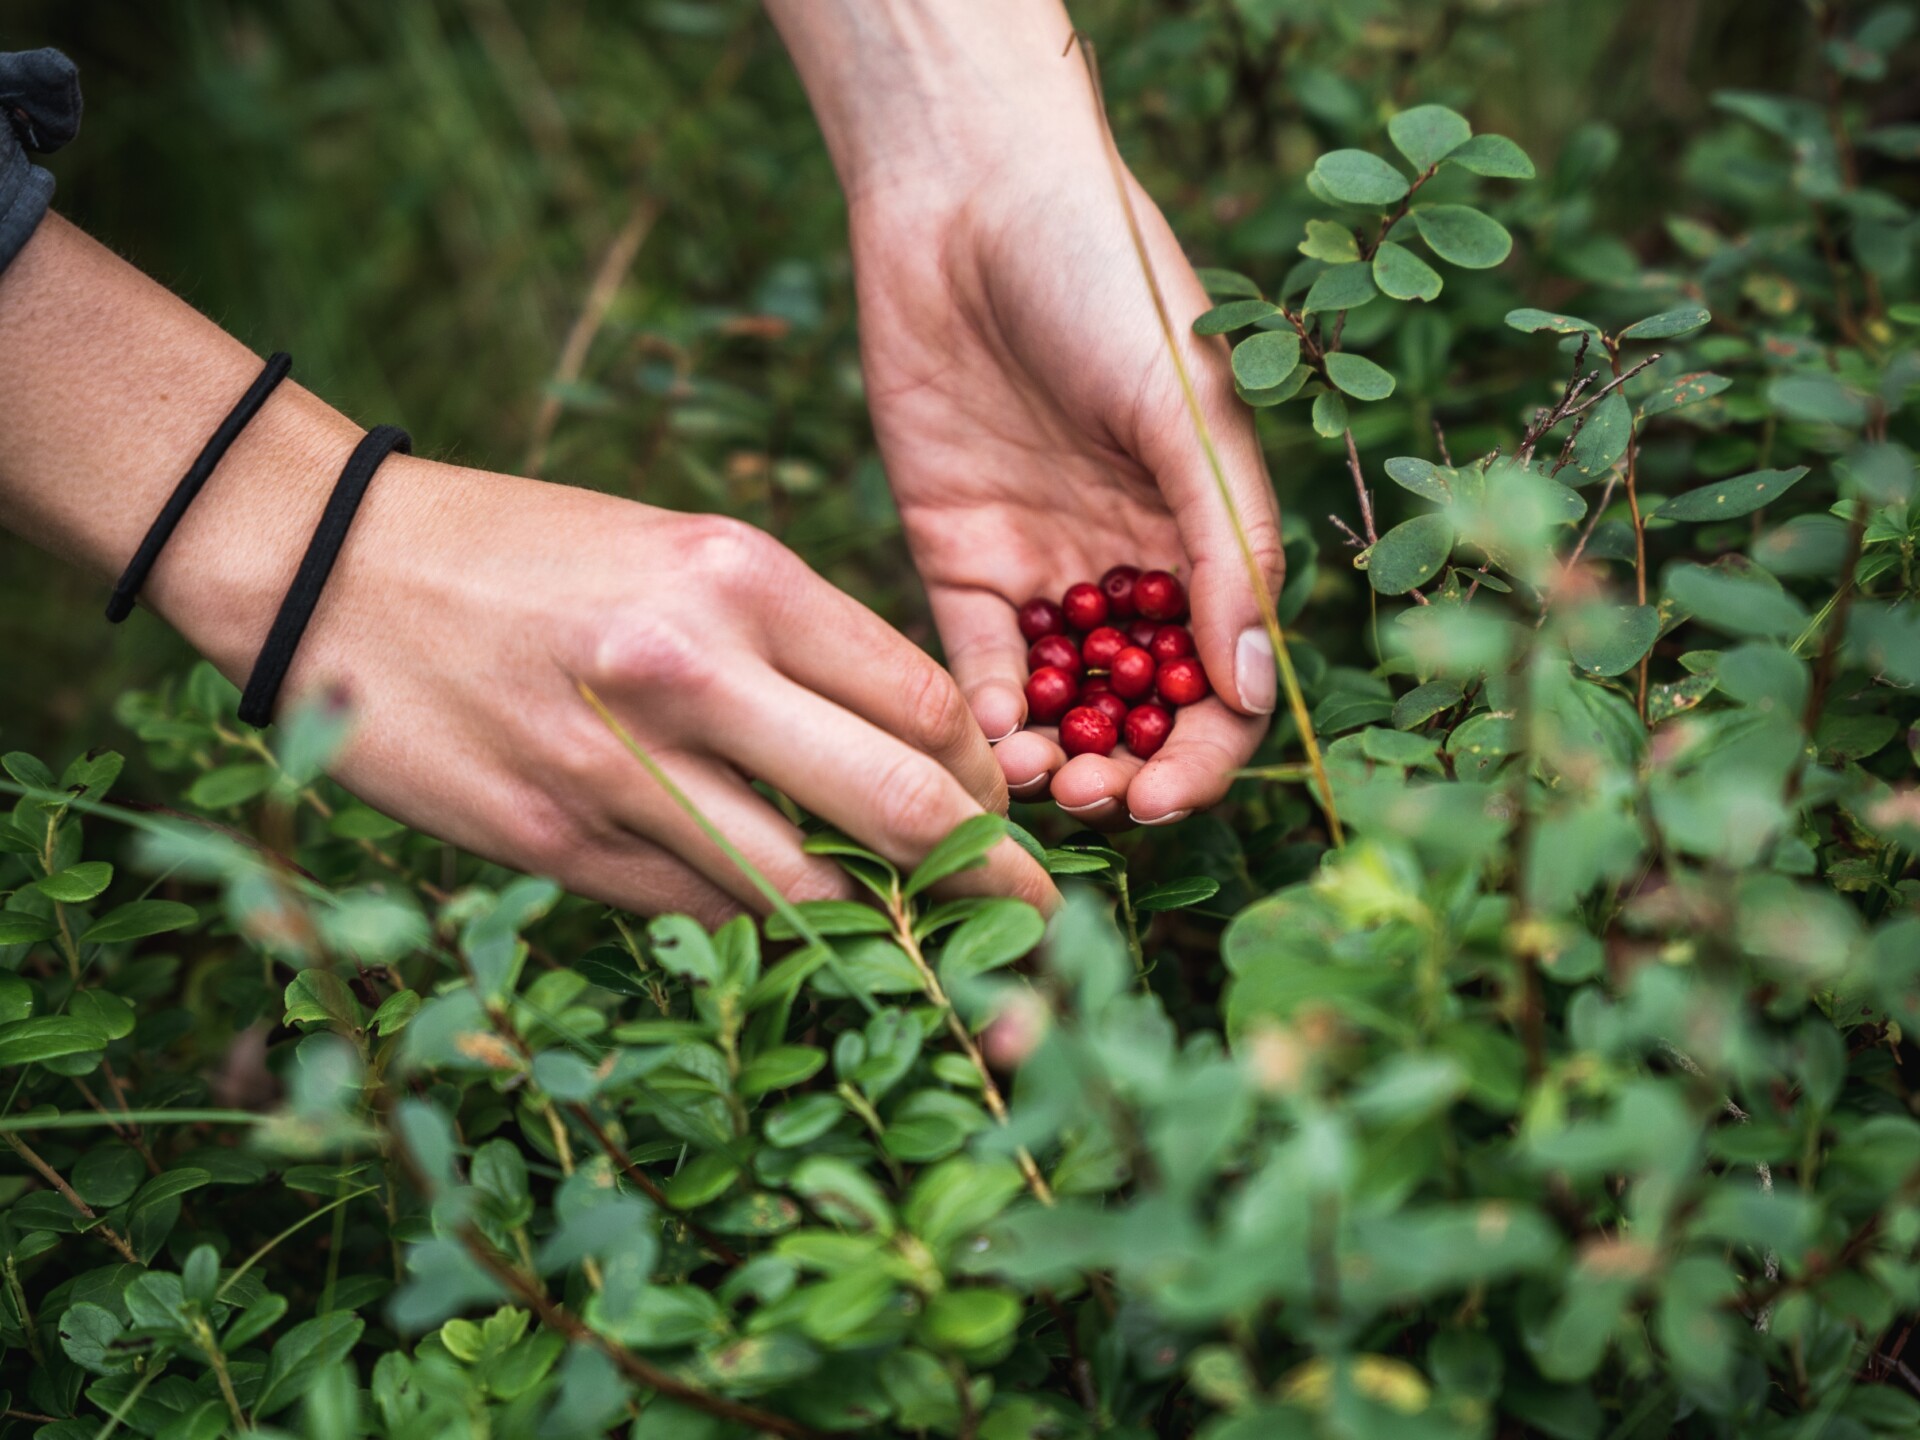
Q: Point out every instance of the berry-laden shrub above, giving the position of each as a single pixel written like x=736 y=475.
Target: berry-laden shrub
x=1570 y=1091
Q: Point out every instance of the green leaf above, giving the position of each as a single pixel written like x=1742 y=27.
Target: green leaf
x=997 y=934
x=1403 y=274
x=1329 y=241
x=1726 y=499
x=302 y=1355
x=1423 y=702
x=1410 y=554
x=1279 y=394
x=1494 y=156
x=47 y=1037
x=1355 y=177
x=139 y=919
x=1263 y=361
x=968 y=1319
x=964 y=848
x=780 y=1068
x=832 y=917
x=16 y=998
x=1359 y=376
x=395 y=1012
x=1233 y=315
x=1532 y=321
x=1733 y=603
x=1817 y=399
x=102 y=1009
x=1427 y=134
x=321 y=997
x=682 y=948
x=1668 y=324
x=1688 y=389
x=1604 y=438
x=19 y=928
x=230 y=785
x=1329 y=415
x=1422 y=477
x=1341 y=287
x=92 y=1336
x=1610 y=639
x=77 y=884
x=1463 y=236
x=1178 y=894
x=1228 y=283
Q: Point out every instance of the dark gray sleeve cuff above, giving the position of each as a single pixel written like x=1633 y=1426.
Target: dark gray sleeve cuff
x=40 y=101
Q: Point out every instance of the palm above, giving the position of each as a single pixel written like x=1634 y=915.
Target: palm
x=1031 y=422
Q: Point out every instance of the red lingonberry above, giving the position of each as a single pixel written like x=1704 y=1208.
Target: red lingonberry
x=1041 y=617
x=1181 y=682
x=1096 y=685
x=1159 y=596
x=1099 y=648
x=1132 y=673
x=1051 y=692
x=1087 y=731
x=1085 y=606
x=1171 y=642
x=1056 y=650
x=1147 y=727
x=1141 y=632
x=1117 y=585
x=1107 y=703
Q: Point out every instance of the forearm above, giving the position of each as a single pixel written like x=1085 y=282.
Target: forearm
x=913 y=93
x=109 y=386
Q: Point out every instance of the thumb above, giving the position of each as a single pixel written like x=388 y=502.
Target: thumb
x=1220 y=532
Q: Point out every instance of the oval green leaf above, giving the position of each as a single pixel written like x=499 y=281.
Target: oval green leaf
x=1263 y=361
x=1427 y=134
x=1410 y=554
x=1232 y=316
x=1532 y=321
x=1494 y=156
x=1403 y=274
x=1329 y=415
x=1359 y=376
x=1422 y=477
x=1342 y=287
x=1610 y=639
x=1356 y=177
x=1725 y=499
x=1461 y=235
x=1668 y=324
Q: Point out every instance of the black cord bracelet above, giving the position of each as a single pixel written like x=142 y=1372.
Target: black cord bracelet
x=276 y=656
x=120 y=604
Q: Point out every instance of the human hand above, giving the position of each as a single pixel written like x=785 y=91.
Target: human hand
x=468 y=607
x=1029 y=414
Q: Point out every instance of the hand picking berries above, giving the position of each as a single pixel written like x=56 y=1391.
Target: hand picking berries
x=1112 y=661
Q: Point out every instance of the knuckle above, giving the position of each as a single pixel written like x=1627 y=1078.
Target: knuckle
x=730 y=555
x=914 y=809
x=639 y=649
x=547 y=840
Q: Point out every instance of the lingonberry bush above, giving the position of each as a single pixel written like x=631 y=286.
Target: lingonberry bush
x=1572 y=1094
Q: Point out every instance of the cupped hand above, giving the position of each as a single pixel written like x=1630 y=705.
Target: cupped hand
x=467 y=607
x=1035 y=434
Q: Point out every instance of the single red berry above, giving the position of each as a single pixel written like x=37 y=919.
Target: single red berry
x=1086 y=607
x=1087 y=731
x=1117 y=585
x=1171 y=642
x=1182 y=682
x=1159 y=596
x=1107 y=703
x=1041 y=617
x=1141 y=632
x=1147 y=727
x=1096 y=685
x=1099 y=648
x=1051 y=692
x=1132 y=673
x=1055 y=650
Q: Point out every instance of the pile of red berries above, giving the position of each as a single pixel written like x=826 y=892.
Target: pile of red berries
x=1112 y=659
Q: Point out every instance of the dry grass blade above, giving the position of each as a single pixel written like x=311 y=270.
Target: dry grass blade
x=1269 y=614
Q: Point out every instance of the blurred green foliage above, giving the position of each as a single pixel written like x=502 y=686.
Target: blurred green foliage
x=1574 y=1096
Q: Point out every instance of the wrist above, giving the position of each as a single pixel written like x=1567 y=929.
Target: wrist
x=919 y=99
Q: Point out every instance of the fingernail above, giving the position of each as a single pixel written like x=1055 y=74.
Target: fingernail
x=1090 y=805
x=999 y=707
x=1166 y=819
x=1253 y=670
x=1020 y=787
x=996 y=739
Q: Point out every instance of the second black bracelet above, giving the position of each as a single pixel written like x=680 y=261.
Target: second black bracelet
x=276 y=655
